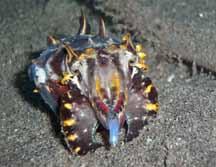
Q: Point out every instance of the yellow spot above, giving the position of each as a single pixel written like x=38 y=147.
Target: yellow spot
x=152 y=107
x=139 y=48
x=97 y=84
x=68 y=106
x=116 y=83
x=141 y=55
x=35 y=91
x=77 y=149
x=66 y=77
x=148 y=89
x=72 y=137
x=69 y=122
x=140 y=52
x=89 y=51
x=98 y=87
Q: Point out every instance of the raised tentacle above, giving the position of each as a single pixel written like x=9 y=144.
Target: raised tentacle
x=79 y=123
x=142 y=104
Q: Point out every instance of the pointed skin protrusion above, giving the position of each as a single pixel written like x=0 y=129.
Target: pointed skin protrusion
x=102 y=28
x=84 y=25
x=52 y=40
x=142 y=104
x=127 y=42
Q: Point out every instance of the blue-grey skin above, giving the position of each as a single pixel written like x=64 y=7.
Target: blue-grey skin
x=38 y=75
x=82 y=42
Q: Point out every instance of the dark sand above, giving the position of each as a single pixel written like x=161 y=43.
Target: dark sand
x=183 y=134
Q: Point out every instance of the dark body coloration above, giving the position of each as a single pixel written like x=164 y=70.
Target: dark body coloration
x=92 y=80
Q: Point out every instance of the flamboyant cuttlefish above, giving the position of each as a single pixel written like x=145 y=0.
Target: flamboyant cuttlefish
x=90 y=80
